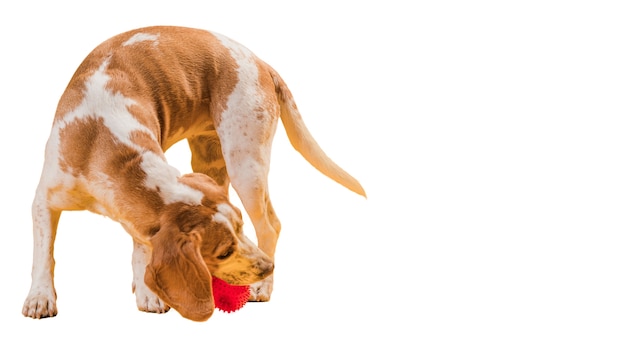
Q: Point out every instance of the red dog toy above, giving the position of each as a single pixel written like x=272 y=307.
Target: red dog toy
x=229 y=298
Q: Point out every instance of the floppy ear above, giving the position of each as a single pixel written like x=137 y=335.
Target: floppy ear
x=178 y=275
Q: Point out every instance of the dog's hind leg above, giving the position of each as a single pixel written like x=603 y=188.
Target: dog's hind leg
x=206 y=158
x=249 y=179
x=246 y=139
x=41 y=299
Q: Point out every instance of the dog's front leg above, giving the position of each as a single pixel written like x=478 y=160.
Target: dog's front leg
x=147 y=301
x=42 y=297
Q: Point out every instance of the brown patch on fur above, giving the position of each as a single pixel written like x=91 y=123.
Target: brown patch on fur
x=271 y=106
x=213 y=193
x=207 y=148
x=74 y=93
x=143 y=112
x=135 y=200
x=80 y=141
x=207 y=158
x=77 y=140
x=146 y=141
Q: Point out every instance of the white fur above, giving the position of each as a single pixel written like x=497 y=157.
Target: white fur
x=226 y=216
x=100 y=102
x=142 y=37
x=165 y=177
x=243 y=105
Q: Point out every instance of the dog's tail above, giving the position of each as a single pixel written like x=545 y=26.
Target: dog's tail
x=302 y=140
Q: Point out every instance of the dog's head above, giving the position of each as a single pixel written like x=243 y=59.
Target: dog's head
x=197 y=241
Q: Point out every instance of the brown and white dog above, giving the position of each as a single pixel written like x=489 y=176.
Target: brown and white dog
x=131 y=99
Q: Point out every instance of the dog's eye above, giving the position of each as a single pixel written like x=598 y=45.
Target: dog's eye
x=226 y=254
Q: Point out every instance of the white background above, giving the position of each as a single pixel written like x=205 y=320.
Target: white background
x=490 y=139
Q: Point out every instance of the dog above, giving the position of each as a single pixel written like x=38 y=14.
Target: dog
x=132 y=98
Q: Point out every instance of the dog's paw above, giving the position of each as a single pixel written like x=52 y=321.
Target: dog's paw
x=262 y=290
x=40 y=305
x=147 y=301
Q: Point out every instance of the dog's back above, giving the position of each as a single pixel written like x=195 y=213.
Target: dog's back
x=167 y=74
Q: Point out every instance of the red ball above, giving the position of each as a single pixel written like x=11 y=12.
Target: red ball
x=229 y=298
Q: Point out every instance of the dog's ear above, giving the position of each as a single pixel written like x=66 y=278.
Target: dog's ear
x=178 y=275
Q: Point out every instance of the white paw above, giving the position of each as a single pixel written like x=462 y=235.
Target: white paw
x=262 y=290
x=40 y=304
x=147 y=301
